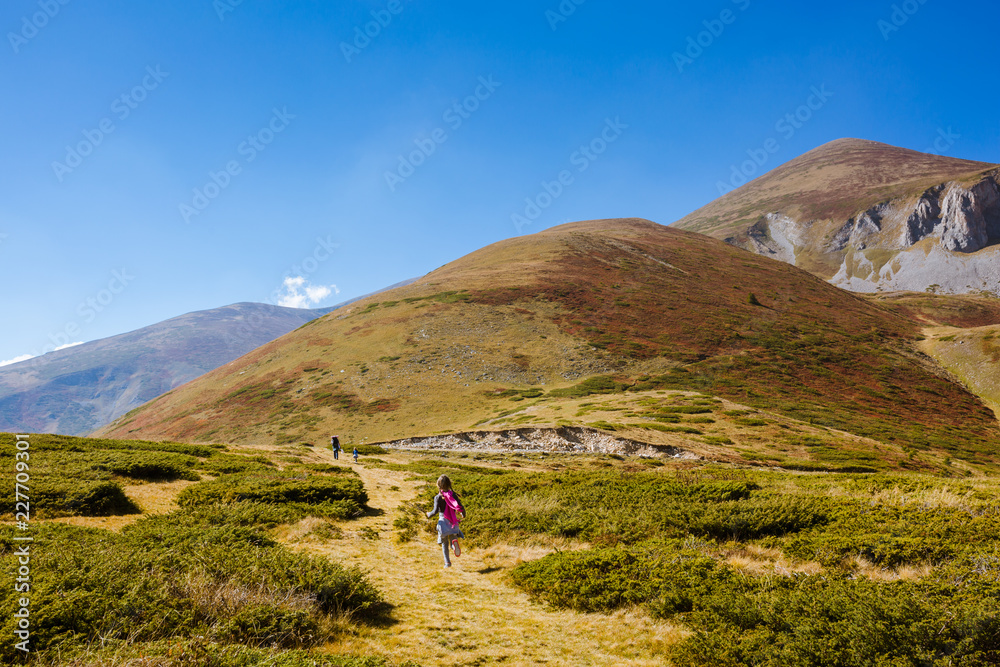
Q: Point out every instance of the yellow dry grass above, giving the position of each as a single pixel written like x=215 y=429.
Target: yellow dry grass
x=469 y=614
x=970 y=355
x=930 y=498
x=867 y=569
x=151 y=497
x=763 y=561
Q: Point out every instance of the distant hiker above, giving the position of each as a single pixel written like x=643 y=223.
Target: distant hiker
x=335 y=445
x=355 y=454
x=447 y=504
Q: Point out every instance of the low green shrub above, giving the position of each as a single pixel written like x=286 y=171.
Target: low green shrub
x=54 y=497
x=268 y=625
x=181 y=576
x=837 y=621
x=599 y=384
x=227 y=464
x=326 y=468
x=146 y=465
x=78 y=476
x=805 y=620
x=335 y=497
x=667 y=429
x=409 y=523
x=747 y=421
x=45 y=442
x=621 y=507
x=667 y=410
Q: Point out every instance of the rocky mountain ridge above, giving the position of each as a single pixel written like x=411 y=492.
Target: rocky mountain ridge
x=930 y=228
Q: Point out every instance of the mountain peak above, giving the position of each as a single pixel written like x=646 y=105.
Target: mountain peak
x=850 y=195
x=832 y=181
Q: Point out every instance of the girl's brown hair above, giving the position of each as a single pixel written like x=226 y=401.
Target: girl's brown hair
x=444 y=483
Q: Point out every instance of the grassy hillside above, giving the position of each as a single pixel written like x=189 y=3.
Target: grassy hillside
x=961 y=333
x=958 y=311
x=649 y=307
x=972 y=355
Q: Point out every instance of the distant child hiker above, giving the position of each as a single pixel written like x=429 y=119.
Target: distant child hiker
x=355 y=454
x=335 y=445
x=446 y=504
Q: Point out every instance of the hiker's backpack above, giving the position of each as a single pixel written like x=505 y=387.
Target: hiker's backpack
x=451 y=507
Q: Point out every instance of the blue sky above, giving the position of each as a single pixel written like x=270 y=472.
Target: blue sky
x=160 y=158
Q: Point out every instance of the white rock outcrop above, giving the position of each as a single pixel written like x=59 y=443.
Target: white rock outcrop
x=943 y=240
x=563 y=439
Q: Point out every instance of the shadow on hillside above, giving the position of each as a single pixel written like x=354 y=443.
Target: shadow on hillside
x=380 y=616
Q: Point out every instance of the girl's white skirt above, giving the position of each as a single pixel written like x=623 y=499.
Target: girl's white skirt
x=446 y=530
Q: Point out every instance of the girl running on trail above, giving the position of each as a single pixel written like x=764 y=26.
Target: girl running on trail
x=447 y=504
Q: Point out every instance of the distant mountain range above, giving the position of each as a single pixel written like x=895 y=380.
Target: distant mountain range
x=870 y=217
x=75 y=390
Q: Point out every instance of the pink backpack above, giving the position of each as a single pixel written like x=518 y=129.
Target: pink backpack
x=451 y=507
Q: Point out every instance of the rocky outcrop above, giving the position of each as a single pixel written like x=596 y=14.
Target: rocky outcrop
x=868 y=226
x=926 y=215
x=903 y=243
x=964 y=220
x=930 y=269
x=970 y=217
x=563 y=439
x=774 y=235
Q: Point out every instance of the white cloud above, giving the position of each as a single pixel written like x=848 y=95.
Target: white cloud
x=63 y=347
x=298 y=293
x=317 y=294
x=16 y=360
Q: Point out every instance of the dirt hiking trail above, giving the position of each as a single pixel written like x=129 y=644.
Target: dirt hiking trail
x=469 y=614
